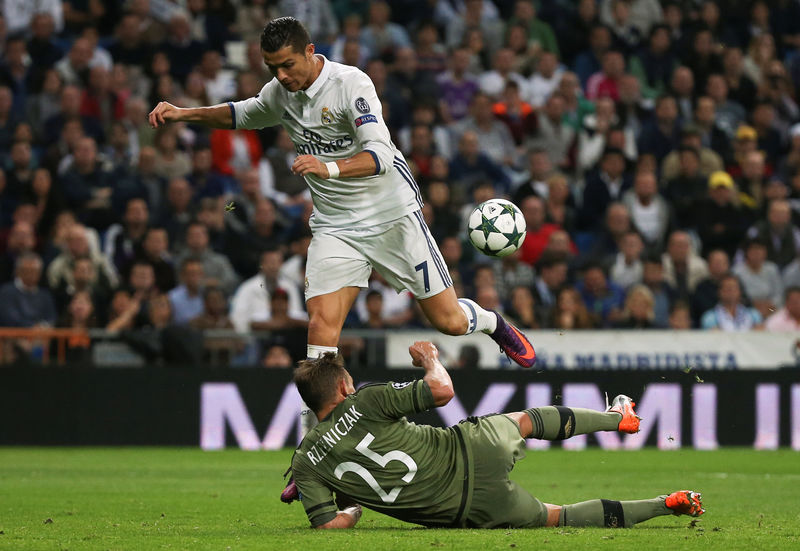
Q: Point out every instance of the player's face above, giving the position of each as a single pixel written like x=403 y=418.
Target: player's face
x=294 y=70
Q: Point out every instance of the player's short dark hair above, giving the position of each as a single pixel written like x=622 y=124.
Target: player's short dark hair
x=316 y=379
x=282 y=32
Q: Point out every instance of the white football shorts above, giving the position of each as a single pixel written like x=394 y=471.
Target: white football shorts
x=403 y=251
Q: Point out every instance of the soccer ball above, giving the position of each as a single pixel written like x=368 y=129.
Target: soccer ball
x=496 y=227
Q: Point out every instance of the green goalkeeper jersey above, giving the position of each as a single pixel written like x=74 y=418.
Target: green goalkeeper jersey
x=368 y=450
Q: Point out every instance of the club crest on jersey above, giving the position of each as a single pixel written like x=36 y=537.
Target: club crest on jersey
x=326 y=116
x=362 y=105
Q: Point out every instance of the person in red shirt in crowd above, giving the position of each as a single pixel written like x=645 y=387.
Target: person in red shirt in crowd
x=538 y=233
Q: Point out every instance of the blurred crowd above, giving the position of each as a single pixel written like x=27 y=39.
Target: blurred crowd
x=653 y=148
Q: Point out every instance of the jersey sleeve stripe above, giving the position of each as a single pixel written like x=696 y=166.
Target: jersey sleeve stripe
x=375 y=158
x=233 y=115
x=319 y=506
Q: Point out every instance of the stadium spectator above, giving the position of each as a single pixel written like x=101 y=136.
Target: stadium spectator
x=683 y=267
x=155 y=250
x=217 y=267
x=537 y=229
x=21 y=239
x=651 y=215
x=664 y=295
x=496 y=140
x=680 y=318
x=123 y=240
x=88 y=186
x=553 y=133
x=215 y=311
x=569 y=311
x=654 y=65
x=605 y=82
x=788 y=317
x=605 y=243
x=187 y=299
x=456 y=87
x=638 y=312
x=604 y=186
x=687 y=189
x=171 y=162
x=142 y=280
x=25 y=303
x=627 y=269
x=587 y=62
x=603 y=298
x=662 y=134
x=691 y=136
x=730 y=314
x=177 y=211
x=85 y=278
x=205 y=181
x=380 y=36
x=782 y=238
x=760 y=278
x=251 y=301
x=470 y=166
x=707 y=291
x=522 y=308
x=77 y=245
x=720 y=221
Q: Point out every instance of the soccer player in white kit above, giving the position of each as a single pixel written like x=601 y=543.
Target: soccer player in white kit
x=366 y=202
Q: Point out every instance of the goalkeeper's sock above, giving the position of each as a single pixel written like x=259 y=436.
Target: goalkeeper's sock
x=559 y=422
x=612 y=514
x=478 y=318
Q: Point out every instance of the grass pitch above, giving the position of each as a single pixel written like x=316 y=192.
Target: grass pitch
x=149 y=498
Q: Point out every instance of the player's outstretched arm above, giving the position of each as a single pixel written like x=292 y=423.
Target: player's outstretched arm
x=216 y=116
x=360 y=165
x=343 y=519
x=425 y=354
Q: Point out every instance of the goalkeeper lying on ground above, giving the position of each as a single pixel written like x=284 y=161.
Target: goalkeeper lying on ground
x=364 y=448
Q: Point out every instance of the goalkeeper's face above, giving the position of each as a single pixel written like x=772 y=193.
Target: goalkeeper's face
x=294 y=70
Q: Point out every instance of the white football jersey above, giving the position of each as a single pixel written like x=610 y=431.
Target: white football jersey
x=338 y=116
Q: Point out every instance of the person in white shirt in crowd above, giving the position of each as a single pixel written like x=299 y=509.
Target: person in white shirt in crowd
x=788 y=317
x=251 y=301
x=496 y=140
x=627 y=269
x=650 y=213
x=761 y=279
x=544 y=81
x=554 y=134
x=730 y=314
x=493 y=82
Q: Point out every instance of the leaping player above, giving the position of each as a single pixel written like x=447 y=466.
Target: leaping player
x=366 y=203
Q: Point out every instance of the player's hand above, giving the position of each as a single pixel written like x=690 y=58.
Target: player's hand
x=423 y=352
x=308 y=164
x=163 y=113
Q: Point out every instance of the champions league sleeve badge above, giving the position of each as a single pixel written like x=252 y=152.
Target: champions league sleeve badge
x=326 y=116
x=362 y=106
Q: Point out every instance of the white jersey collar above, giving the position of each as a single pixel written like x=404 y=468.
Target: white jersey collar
x=312 y=90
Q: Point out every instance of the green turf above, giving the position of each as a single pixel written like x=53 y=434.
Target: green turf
x=145 y=498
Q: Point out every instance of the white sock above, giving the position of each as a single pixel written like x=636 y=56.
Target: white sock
x=479 y=319
x=314 y=351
